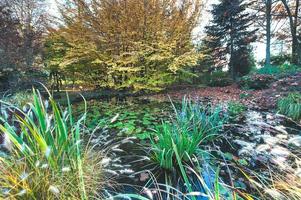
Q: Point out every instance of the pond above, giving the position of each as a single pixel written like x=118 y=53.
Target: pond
x=252 y=142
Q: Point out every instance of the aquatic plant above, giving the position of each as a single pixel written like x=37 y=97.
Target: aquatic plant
x=192 y=125
x=47 y=159
x=290 y=106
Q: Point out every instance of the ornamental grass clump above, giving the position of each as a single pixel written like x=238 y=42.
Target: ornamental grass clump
x=191 y=126
x=290 y=106
x=47 y=159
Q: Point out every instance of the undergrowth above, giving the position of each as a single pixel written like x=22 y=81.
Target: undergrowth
x=47 y=159
x=290 y=106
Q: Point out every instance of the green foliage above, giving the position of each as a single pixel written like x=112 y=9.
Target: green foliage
x=278 y=60
x=228 y=35
x=290 y=106
x=19 y=99
x=136 y=119
x=268 y=70
x=284 y=69
x=256 y=81
x=191 y=126
x=46 y=160
x=219 y=79
x=235 y=109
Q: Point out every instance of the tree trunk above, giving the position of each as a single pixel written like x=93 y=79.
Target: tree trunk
x=268 y=32
x=231 y=66
x=293 y=20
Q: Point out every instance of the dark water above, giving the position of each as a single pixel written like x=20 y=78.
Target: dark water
x=137 y=173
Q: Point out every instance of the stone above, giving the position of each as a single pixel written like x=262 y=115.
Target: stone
x=280 y=161
x=270 y=140
x=244 y=143
x=295 y=141
x=280 y=151
x=262 y=148
x=281 y=129
x=281 y=136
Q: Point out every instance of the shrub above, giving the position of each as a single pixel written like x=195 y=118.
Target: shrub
x=192 y=125
x=268 y=70
x=290 y=106
x=278 y=60
x=289 y=68
x=47 y=159
x=219 y=79
x=280 y=70
x=235 y=109
x=256 y=81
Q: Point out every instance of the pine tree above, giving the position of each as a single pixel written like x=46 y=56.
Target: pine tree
x=229 y=36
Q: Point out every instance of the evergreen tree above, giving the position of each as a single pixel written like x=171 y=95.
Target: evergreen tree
x=229 y=36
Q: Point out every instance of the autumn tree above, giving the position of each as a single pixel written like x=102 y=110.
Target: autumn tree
x=9 y=45
x=130 y=44
x=32 y=16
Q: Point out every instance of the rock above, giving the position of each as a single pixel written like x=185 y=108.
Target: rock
x=280 y=161
x=246 y=151
x=280 y=151
x=296 y=141
x=281 y=136
x=270 y=140
x=244 y=143
x=281 y=129
x=298 y=172
x=270 y=117
x=263 y=147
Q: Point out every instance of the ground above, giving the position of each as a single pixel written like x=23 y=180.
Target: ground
x=258 y=99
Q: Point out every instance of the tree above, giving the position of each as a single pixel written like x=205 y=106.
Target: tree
x=129 y=44
x=292 y=10
x=9 y=45
x=268 y=5
x=32 y=16
x=230 y=34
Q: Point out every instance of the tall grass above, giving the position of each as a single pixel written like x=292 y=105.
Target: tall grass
x=278 y=184
x=47 y=159
x=290 y=106
x=175 y=147
x=192 y=125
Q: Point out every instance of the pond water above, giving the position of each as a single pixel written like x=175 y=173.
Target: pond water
x=255 y=141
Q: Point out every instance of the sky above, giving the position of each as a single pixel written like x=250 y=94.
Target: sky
x=259 y=48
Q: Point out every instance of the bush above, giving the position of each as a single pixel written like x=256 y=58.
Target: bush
x=284 y=69
x=256 y=81
x=268 y=70
x=289 y=68
x=47 y=159
x=235 y=109
x=219 y=79
x=278 y=60
x=290 y=106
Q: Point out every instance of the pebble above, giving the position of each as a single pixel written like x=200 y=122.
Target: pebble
x=295 y=141
x=270 y=140
x=280 y=151
x=263 y=147
x=281 y=136
x=281 y=129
